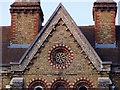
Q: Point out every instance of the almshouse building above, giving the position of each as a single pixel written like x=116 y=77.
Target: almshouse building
x=60 y=55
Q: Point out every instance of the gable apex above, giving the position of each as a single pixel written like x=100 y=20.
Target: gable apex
x=59 y=13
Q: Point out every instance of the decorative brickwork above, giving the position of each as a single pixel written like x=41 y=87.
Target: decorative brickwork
x=83 y=82
x=37 y=82
x=60 y=83
x=60 y=32
x=80 y=66
x=60 y=56
x=60 y=41
x=47 y=31
x=105 y=34
x=104 y=17
x=24 y=31
x=26 y=20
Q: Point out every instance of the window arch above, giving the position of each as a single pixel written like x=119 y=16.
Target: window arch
x=60 y=84
x=83 y=84
x=37 y=84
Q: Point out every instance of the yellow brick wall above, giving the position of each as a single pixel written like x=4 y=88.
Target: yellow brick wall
x=105 y=27
x=23 y=28
x=5 y=81
x=79 y=67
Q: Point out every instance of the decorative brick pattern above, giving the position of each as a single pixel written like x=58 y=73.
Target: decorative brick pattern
x=60 y=56
x=24 y=31
x=80 y=66
x=105 y=32
x=37 y=81
x=26 y=20
x=60 y=81
x=83 y=82
x=61 y=30
x=104 y=15
x=75 y=32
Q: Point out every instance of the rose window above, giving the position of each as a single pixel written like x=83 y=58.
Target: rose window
x=60 y=56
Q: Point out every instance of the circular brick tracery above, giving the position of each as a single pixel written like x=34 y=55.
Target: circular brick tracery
x=60 y=56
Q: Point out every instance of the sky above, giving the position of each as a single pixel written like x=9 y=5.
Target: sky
x=80 y=10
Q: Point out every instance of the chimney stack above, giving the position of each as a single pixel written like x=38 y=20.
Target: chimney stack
x=26 y=21
x=104 y=14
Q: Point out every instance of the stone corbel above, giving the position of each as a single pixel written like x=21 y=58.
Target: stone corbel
x=104 y=82
x=106 y=66
x=17 y=83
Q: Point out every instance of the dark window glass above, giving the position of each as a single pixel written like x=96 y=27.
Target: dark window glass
x=82 y=88
x=38 y=88
x=60 y=88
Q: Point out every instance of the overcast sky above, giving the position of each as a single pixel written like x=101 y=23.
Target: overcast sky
x=80 y=10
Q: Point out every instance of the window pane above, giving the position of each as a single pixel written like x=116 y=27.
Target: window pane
x=38 y=88
x=82 y=88
x=60 y=88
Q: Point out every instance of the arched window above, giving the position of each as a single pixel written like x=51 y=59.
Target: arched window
x=83 y=84
x=38 y=84
x=60 y=87
x=60 y=84
x=38 y=88
x=82 y=88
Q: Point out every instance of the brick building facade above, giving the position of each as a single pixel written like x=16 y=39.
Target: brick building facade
x=60 y=55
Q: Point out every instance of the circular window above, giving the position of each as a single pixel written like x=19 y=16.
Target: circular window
x=60 y=56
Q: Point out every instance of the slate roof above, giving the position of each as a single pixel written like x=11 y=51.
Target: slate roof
x=9 y=54
x=106 y=54
x=14 y=54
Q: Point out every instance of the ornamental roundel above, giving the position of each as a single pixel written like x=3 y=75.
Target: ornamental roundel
x=60 y=56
